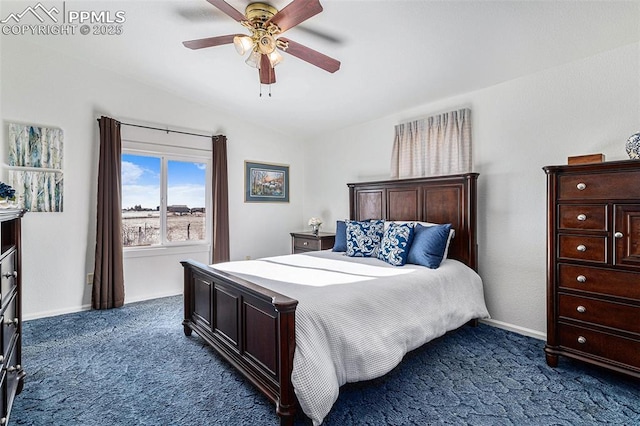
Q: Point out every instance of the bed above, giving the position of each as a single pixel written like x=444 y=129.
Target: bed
x=247 y=310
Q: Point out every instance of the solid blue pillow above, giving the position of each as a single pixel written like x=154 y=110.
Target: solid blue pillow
x=363 y=238
x=395 y=244
x=340 y=244
x=429 y=244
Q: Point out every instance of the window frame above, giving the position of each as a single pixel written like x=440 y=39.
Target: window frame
x=168 y=153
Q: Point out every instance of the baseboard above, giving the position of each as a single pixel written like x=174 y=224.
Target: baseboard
x=55 y=313
x=516 y=329
x=154 y=296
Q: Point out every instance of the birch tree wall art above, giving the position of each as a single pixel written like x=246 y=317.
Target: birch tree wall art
x=35 y=166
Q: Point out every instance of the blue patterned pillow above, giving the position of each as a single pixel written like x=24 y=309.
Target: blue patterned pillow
x=395 y=244
x=429 y=244
x=363 y=238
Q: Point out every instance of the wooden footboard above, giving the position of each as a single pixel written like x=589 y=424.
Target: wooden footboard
x=251 y=327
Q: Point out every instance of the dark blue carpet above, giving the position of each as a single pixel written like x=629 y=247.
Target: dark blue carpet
x=134 y=366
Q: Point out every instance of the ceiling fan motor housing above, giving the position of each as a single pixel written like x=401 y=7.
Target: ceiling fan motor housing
x=259 y=13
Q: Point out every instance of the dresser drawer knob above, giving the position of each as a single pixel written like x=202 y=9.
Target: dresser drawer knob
x=13 y=274
x=581 y=247
x=582 y=217
x=306 y=243
x=581 y=279
x=581 y=309
x=581 y=186
x=3 y=421
x=582 y=340
x=618 y=235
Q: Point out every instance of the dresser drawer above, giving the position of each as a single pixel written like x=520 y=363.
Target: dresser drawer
x=8 y=275
x=599 y=186
x=9 y=325
x=603 y=345
x=579 y=247
x=305 y=244
x=591 y=217
x=13 y=373
x=598 y=280
x=600 y=312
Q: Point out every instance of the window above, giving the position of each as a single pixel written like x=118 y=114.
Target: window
x=164 y=199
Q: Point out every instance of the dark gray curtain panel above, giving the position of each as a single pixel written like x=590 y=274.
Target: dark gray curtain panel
x=220 y=188
x=108 y=278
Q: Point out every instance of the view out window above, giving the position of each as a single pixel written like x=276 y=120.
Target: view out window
x=163 y=200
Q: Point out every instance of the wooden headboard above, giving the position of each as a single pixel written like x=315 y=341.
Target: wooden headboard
x=442 y=199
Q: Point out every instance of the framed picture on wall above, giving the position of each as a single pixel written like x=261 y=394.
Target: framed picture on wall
x=265 y=182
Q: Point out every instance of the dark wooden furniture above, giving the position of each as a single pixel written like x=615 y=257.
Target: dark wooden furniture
x=446 y=199
x=254 y=328
x=302 y=242
x=12 y=375
x=593 y=264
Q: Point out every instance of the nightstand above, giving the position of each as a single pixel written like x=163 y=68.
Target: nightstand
x=302 y=242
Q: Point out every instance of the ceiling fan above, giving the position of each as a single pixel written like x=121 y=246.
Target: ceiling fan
x=265 y=23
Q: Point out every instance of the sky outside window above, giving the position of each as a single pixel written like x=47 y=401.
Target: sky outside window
x=141 y=182
x=185 y=182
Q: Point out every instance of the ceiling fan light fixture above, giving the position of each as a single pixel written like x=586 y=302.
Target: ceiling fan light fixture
x=254 y=60
x=242 y=44
x=275 y=58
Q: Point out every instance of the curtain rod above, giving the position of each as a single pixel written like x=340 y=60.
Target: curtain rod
x=166 y=130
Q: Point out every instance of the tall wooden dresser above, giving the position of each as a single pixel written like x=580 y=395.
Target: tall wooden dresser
x=12 y=374
x=593 y=264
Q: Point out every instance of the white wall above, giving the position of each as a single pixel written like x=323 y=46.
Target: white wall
x=588 y=106
x=41 y=87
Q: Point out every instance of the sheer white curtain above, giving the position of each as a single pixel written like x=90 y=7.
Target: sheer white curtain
x=437 y=145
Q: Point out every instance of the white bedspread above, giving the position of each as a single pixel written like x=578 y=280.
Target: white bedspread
x=357 y=317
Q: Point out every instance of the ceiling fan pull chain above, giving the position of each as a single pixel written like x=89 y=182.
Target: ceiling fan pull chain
x=261 y=90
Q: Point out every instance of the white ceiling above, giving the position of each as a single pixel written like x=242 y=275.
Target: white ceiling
x=395 y=54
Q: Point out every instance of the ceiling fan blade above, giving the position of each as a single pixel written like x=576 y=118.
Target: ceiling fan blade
x=309 y=55
x=210 y=41
x=228 y=9
x=295 y=12
x=267 y=73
